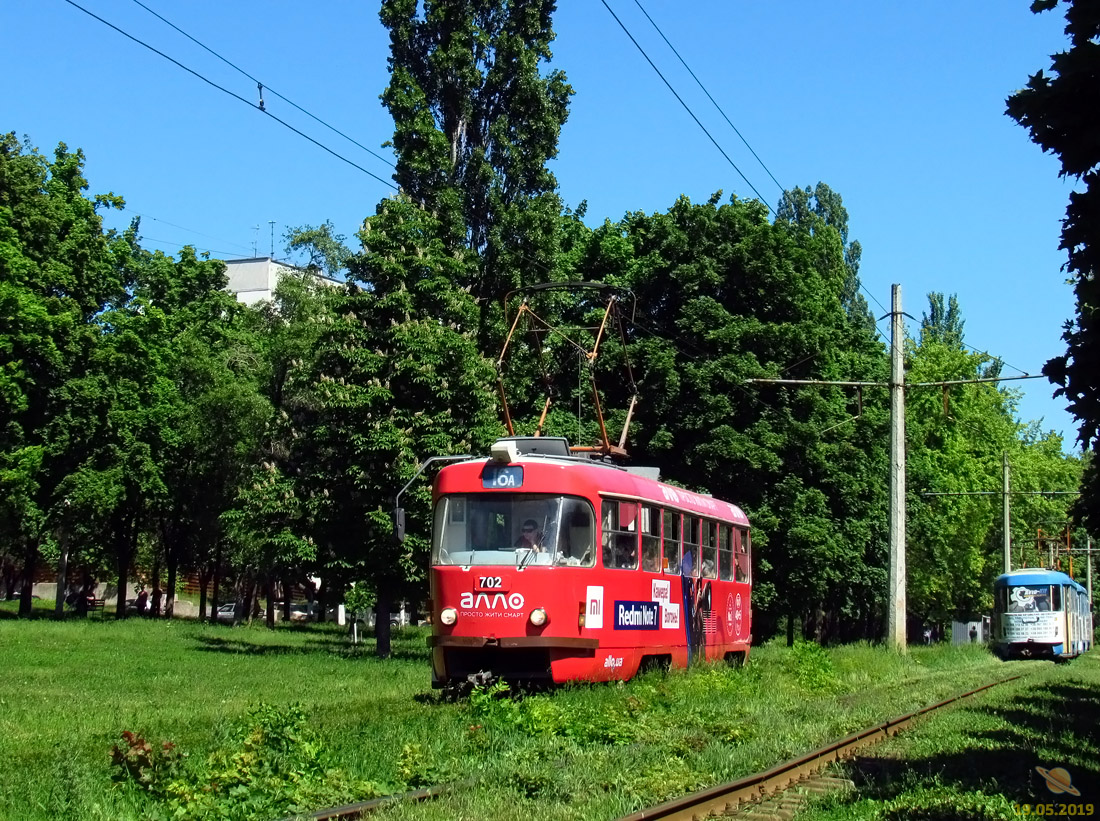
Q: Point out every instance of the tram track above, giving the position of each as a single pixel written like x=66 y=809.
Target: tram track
x=776 y=792
x=346 y=812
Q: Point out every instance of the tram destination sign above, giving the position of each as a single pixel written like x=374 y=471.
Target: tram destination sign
x=502 y=477
x=637 y=615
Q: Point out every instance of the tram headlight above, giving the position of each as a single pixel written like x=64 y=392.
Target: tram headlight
x=539 y=617
x=448 y=616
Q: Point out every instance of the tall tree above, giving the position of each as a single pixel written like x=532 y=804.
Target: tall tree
x=942 y=323
x=725 y=295
x=956 y=440
x=1059 y=111
x=271 y=530
x=475 y=124
x=397 y=377
x=58 y=272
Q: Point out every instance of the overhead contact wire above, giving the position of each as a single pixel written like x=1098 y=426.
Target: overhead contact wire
x=232 y=65
x=687 y=108
x=231 y=94
x=709 y=97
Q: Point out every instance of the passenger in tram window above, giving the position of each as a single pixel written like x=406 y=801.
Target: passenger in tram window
x=626 y=551
x=530 y=537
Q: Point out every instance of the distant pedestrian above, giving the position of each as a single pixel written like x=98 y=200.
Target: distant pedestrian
x=142 y=602
x=927 y=635
x=973 y=633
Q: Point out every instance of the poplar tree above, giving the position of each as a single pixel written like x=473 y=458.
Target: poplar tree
x=475 y=123
x=397 y=377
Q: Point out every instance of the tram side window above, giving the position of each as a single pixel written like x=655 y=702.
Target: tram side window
x=651 y=539
x=671 y=539
x=620 y=535
x=689 y=563
x=741 y=554
x=725 y=553
x=575 y=547
x=710 y=549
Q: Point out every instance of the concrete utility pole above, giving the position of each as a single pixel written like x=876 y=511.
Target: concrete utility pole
x=896 y=603
x=895 y=617
x=1005 y=515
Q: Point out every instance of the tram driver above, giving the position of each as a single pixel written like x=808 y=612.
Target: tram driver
x=530 y=537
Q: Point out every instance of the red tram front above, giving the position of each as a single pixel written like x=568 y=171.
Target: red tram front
x=551 y=567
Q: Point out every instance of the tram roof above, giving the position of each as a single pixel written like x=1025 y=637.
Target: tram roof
x=618 y=481
x=1034 y=575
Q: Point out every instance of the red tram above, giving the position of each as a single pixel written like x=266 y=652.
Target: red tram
x=551 y=567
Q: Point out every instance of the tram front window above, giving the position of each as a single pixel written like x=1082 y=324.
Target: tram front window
x=514 y=529
x=1029 y=598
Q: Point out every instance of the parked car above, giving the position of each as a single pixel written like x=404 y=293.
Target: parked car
x=396 y=620
x=225 y=612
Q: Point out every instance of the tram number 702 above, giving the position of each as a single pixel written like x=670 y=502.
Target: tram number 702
x=490 y=583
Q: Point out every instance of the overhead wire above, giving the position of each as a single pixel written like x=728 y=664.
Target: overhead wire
x=182 y=228
x=687 y=108
x=709 y=97
x=200 y=249
x=391 y=164
x=265 y=86
x=236 y=96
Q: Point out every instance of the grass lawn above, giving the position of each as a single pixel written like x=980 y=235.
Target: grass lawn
x=70 y=689
x=982 y=759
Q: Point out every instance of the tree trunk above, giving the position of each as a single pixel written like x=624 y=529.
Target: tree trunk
x=790 y=629
x=170 y=596
x=87 y=590
x=26 y=592
x=322 y=600
x=214 y=602
x=287 y=587
x=125 y=538
x=62 y=576
x=244 y=590
x=157 y=592
x=382 y=622
x=270 y=614
x=204 y=579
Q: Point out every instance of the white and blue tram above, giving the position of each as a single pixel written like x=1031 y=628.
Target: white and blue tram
x=1040 y=614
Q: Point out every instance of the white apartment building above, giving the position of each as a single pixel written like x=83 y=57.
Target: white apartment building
x=255 y=279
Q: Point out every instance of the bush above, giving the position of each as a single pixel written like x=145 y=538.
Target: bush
x=276 y=768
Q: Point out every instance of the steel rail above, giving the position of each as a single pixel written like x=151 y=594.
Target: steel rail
x=349 y=811
x=730 y=797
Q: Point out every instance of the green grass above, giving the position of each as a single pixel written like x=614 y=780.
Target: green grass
x=70 y=689
x=979 y=759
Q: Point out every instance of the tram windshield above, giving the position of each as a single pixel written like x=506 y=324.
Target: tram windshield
x=514 y=529
x=1029 y=598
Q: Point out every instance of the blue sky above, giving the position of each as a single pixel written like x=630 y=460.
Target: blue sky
x=899 y=107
